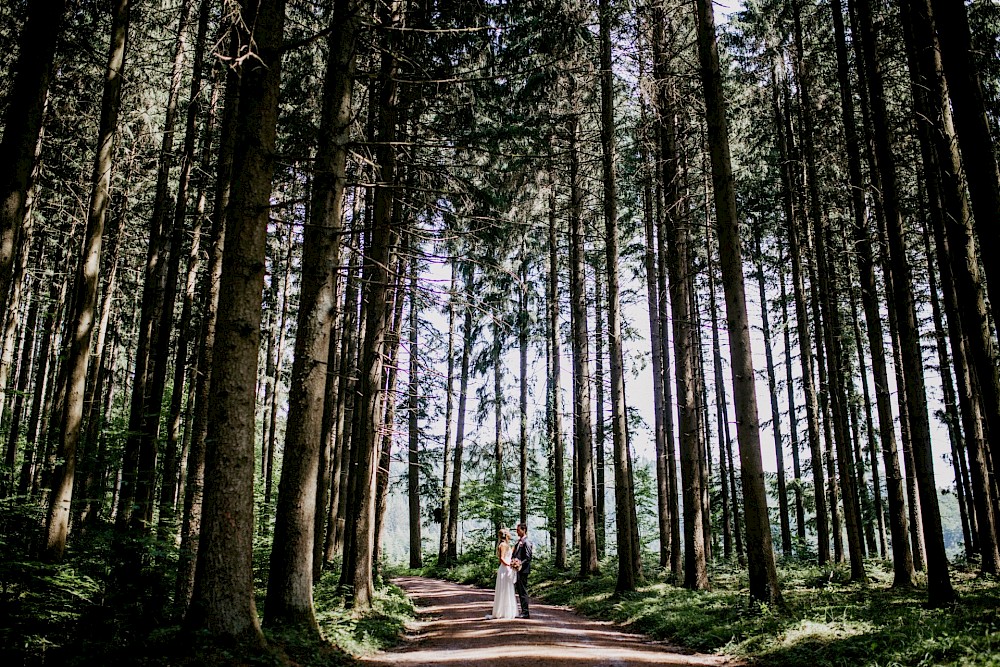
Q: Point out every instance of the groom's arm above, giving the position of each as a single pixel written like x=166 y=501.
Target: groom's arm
x=527 y=552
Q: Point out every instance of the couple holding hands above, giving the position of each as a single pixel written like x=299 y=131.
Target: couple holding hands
x=512 y=575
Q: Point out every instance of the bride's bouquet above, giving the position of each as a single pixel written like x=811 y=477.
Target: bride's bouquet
x=515 y=563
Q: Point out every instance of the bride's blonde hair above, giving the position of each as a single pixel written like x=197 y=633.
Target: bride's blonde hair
x=505 y=534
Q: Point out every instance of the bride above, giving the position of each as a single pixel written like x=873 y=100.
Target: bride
x=504 y=600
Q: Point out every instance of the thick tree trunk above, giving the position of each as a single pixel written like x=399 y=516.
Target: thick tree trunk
x=368 y=413
x=86 y=291
x=763 y=576
x=289 y=588
x=222 y=603
x=974 y=138
x=972 y=339
x=939 y=589
x=212 y=281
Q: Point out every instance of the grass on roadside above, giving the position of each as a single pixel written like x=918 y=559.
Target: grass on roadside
x=825 y=620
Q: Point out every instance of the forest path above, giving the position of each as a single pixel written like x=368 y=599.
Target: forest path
x=452 y=630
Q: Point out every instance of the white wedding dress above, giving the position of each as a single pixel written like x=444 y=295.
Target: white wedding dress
x=504 y=600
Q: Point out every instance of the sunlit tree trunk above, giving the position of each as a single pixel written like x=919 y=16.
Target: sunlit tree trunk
x=222 y=602
x=87 y=275
x=289 y=587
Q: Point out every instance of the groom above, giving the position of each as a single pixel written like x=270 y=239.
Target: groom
x=522 y=553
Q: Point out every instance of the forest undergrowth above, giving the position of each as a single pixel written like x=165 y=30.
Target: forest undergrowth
x=825 y=620
x=68 y=614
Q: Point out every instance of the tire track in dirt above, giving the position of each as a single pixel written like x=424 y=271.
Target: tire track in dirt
x=452 y=630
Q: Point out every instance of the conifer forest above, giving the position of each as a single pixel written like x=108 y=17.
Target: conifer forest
x=302 y=296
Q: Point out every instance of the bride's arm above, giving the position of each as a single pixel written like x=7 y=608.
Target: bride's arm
x=500 y=555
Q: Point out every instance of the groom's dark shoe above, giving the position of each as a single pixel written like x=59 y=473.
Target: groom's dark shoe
x=523 y=616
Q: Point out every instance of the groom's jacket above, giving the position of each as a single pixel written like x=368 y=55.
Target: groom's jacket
x=522 y=552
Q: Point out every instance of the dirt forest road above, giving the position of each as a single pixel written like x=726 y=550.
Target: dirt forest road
x=452 y=630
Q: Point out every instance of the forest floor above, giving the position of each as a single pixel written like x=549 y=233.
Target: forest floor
x=452 y=629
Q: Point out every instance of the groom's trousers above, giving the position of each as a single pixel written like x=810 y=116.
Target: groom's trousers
x=521 y=588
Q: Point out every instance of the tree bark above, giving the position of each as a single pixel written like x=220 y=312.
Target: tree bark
x=629 y=555
x=763 y=576
x=86 y=292
x=289 y=588
x=555 y=385
x=939 y=589
x=772 y=383
x=222 y=603
x=23 y=124
x=582 y=426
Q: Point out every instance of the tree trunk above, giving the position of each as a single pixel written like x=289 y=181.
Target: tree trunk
x=582 y=428
x=629 y=553
x=289 y=587
x=793 y=429
x=655 y=336
x=902 y=557
x=763 y=576
x=939 y=589
x=23 y=125
x=368 y=413
x=222 y=603
x=972 y=339
x=468 y=341
x=413 y=471
x=171 y=477
x=974 y=138
x=785 y=139
x=555 y=385
x=86 y=291
x=446 y=469
x=212 y=282
x=772 y=383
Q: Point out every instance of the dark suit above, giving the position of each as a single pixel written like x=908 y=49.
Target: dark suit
x=522 y=551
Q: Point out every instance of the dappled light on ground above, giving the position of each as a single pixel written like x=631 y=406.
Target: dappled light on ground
x=453 y=630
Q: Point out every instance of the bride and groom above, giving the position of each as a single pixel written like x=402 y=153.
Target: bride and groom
x=512 y=575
